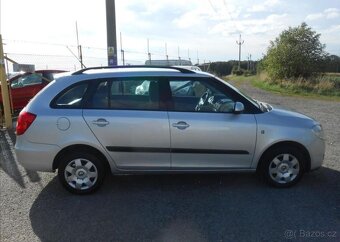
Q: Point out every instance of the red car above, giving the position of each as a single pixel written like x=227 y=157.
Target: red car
x=25 y=86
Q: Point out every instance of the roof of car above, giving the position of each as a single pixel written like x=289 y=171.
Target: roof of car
x=129 y=71
x=135 y=68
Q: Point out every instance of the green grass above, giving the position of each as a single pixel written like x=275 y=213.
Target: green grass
x=288 y=89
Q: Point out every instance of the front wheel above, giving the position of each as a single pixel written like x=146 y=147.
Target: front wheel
x=81 y=173
x=283 y=166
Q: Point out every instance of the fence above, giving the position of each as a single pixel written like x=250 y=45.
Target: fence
x=65 y=57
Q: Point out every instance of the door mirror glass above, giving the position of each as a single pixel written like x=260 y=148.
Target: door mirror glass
x=238 y=108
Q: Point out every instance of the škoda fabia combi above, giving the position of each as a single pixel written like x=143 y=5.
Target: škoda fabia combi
x=100 y=120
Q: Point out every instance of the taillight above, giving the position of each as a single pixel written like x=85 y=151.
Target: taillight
x=25 y=119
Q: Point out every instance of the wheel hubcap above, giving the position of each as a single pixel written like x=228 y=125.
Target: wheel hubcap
x=284 y=168
x=81 y=174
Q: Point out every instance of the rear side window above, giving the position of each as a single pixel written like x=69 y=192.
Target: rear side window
x=127 y=93
x=71 y=97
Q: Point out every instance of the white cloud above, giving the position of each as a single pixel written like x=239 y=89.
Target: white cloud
x=332 y=13
x=331 y=36
x=251 y=26
x=329 y=13
x=265 y=6
x=194 y=17
x=314 y=16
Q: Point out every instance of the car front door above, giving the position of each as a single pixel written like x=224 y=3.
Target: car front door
x=205 y=132
x=130 y=124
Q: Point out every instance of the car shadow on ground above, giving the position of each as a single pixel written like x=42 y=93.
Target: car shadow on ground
x=228 y=207
x=8 y=160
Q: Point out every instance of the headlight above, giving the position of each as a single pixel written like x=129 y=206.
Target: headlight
x=317 y=130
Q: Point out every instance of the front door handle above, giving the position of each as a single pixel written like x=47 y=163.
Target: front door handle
x=101 y=122
x=181 y=125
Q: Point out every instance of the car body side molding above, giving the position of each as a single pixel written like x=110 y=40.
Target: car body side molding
x=175 y=150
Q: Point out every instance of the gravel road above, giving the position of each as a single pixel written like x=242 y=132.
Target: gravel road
x=228 y=207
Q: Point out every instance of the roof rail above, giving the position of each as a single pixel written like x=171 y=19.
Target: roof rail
x=182 y=70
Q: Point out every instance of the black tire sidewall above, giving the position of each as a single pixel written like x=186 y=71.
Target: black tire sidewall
x=271 y=154
x=66 y=159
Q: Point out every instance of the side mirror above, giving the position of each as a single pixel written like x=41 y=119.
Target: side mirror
x=238 y=108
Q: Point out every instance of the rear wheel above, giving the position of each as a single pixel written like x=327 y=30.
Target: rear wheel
x=283 y=166
x=81 y=173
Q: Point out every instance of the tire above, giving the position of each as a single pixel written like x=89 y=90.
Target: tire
x=81 y=173
x=282 y=166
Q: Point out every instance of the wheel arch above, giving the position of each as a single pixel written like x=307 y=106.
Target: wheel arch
x=80 y=148
x=295 y=144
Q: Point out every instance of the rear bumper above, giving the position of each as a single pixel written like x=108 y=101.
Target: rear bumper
x=35 y=156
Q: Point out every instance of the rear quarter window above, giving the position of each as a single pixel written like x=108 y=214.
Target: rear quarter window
x=71 y=97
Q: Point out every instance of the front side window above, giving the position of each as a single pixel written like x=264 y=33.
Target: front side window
x=199 y=95
x=72 y=97
x=126 y=93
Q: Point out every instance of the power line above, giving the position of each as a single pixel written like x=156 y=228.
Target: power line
x=228 y=12
x=52 y=44
x=212 y=6
x=44 y=55
x=230 y=16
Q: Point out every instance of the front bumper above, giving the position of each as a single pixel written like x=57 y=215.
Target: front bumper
x=317 y=153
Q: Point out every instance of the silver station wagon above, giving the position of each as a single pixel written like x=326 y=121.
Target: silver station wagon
x=140 y=119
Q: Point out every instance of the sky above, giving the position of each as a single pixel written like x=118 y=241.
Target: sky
x=198 y=29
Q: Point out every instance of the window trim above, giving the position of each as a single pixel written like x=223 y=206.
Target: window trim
x=165 y=102
x=249 y=108
x=95 y=83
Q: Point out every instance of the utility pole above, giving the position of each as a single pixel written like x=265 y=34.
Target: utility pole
x=6 y=58
x=239 y=42
x=189 y=55
x=121 y=49
x=4 y=89
x=179 y=58
x=111 y=32
x=248 y=63
x=80 y=52
x=166 y=54
x=149 y=54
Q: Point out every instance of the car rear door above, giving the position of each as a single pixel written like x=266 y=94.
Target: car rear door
x=207 y=134
x=132 y=126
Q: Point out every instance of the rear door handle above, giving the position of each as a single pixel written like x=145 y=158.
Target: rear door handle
x=180 y=125
x=101 y=122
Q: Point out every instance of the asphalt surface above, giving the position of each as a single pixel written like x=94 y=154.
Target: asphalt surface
x=224 y=207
